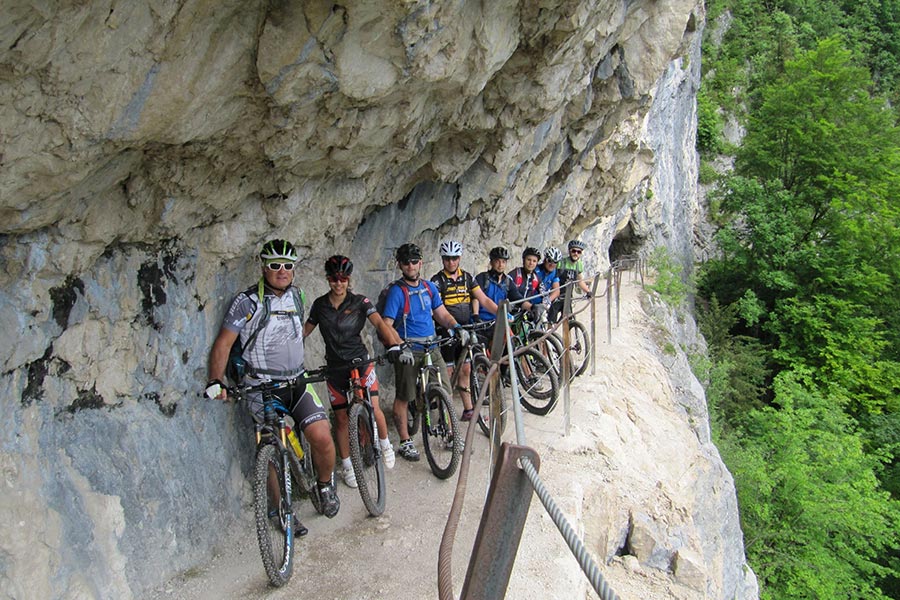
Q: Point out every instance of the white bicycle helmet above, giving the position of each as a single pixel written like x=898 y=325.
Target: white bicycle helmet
x=451 y=248
x=553 y=254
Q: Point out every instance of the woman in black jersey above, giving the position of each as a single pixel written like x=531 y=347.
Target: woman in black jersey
x=340 y=315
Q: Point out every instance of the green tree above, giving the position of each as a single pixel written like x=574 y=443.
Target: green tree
x=815 y=520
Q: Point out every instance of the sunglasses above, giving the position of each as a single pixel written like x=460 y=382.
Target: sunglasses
x=277 y=266
x=338 y=277
x=406 y=263
x=550 y=262
x=574 y=251
x=449 y=258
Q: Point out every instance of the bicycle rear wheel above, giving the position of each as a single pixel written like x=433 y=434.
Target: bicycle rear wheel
x=365 y=455
x=539 y=385
x=441 y=433
x=274 y=518
x=579 y=346
x=478 y=379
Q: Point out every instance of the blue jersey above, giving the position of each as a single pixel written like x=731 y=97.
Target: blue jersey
x=418 y=323
x=498 y=287
x=548 y=278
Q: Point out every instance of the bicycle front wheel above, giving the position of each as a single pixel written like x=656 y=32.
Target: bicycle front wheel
x=365 y=455
x=274 y=518
x=539 y=387
x=480 y=366
x=441 y=434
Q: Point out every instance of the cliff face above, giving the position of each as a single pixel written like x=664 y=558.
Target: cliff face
x=149 y=148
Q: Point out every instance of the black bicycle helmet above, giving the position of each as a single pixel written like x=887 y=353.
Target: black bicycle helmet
x=274 y=250
x=576 y=244
x=499 y=252
x=531 y=251
x=338 y=265
x=408 y=252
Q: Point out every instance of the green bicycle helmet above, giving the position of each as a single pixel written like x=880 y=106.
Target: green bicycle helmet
x=275 y=250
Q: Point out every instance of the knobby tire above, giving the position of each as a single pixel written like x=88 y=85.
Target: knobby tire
x=580 y=347
x=365 y=455
x=552 y=348
x=443 y=438
x=275 y=534
x=539 y=387
x=478 y=379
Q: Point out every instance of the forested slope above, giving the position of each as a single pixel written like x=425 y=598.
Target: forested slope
x=800 y=303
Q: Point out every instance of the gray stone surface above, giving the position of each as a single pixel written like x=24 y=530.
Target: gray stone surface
x=149 y=148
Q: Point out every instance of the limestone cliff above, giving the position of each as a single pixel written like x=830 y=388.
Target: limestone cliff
x=149 y=148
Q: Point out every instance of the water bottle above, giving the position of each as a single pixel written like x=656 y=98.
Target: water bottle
x=294 y=441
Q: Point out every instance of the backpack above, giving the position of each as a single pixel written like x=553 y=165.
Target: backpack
x=382 y=297
x=237 y=365
x=535 y=282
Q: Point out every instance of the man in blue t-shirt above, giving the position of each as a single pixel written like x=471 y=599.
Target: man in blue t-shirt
x=412 y=305
x=496 y=284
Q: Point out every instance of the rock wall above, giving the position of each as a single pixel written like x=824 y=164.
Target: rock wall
x=149 y=148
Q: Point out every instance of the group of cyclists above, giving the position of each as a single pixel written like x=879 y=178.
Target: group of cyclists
x=268 y=322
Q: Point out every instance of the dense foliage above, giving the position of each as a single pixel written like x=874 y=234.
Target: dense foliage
x=803 y=303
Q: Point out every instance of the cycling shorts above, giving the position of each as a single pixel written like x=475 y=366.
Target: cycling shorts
x=338 y=382
x=301 y=400
x=405 y=375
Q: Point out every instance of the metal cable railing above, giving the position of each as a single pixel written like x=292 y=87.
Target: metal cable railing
x=590 y=568
x=527 y=467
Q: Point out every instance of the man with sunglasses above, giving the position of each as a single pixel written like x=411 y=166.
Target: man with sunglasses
x=268 y=320
x=571 y=272
x=412 y=312
x=548 y=274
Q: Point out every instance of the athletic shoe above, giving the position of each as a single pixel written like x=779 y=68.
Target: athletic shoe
x=387 y=453
x=349 y=477
x=467 y=414
x=408 y=451
x=328 y=499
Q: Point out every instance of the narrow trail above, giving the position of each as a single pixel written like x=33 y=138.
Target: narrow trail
x=354 y=556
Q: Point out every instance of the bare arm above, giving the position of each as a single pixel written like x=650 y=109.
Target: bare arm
x=483 y=300
x=307 y=329
x=386 y=333
x=444 y=318
x=554 y=291
x=218 y=355
x=583 y=284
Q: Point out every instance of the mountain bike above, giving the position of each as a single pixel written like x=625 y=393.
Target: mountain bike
x=441 y=433
x=535 y=375
x=476 y=354
x=579 y=348
x=365 y=450
x=547 y=343
x=282 y=458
